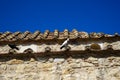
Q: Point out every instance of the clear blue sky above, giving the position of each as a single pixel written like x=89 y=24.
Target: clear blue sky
x=83 y=15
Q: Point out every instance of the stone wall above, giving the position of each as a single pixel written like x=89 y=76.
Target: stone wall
x=75 y=45
x=84 y=67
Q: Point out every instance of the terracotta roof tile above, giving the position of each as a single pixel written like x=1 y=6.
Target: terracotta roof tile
x=66 y=33
x=96 y=35
x=46 y=33
x=40 y=36
x=50 y=35
x=28 y=36
x=4 y=36
x=24 y=35
x=75 y=33
x=83 y=35
x=56 y=34
x=61 y=35
x=12 y=37
x=37 y=35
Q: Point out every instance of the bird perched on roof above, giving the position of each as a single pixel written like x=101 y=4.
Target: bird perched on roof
x=13 y=46
x=64 y=44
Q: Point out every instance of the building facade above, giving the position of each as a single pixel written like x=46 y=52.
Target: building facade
x=37 y=56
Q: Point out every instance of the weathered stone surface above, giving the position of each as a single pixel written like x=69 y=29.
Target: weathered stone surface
x=57 y=60
x=62 y=69
x=32 y=59
x=2 y=78
x=76 y=45
x=15 y=61
x=51 y=60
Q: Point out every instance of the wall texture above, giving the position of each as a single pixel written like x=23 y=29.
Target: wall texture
x=75 y=45
x=84 y=67
x=88 y=65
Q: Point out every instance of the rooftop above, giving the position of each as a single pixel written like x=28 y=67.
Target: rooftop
x=47 y=35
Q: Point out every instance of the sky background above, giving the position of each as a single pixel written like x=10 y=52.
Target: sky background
x=83 y=15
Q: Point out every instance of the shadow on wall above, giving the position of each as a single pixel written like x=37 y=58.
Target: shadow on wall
x=65 y=54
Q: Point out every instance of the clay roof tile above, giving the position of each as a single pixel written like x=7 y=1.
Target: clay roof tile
x=46 y=33
x=56 y=34
x=37 y=35
x=66 y=33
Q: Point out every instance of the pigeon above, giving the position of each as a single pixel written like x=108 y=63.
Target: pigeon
x=13 y=46
x=64 y=44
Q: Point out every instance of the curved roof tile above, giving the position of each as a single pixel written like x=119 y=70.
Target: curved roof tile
x=37 y=35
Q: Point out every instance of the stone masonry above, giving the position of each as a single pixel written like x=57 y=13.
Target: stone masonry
x=63 y=68
x=94 y=56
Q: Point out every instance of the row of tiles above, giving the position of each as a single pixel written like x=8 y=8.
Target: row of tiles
x=37 y=35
